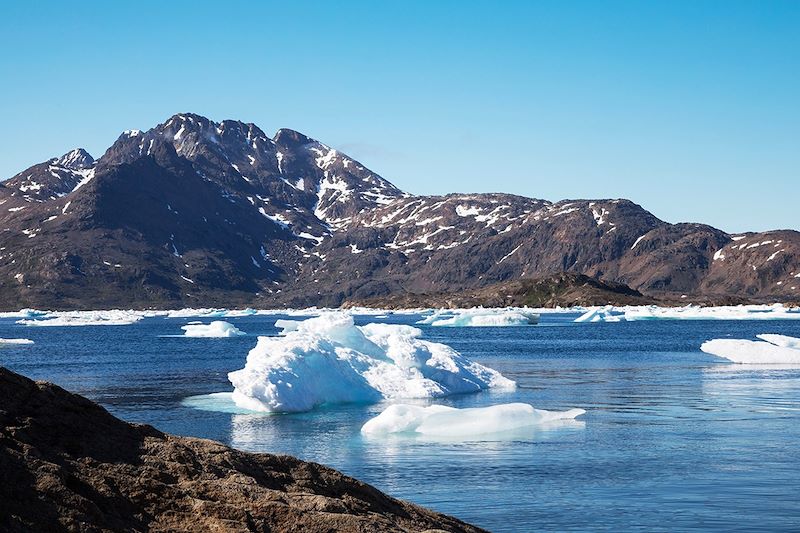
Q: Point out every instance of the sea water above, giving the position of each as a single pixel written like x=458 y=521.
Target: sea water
x=673 y=438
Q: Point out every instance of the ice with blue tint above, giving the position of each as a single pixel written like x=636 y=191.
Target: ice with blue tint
x=215 y=329
x=600 y=314
x=114 y=317
x=452 y=423
x=771 y=349
x=481 y=317
x=330 y=360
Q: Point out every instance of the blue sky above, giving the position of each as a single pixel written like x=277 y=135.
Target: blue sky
x=690 y=108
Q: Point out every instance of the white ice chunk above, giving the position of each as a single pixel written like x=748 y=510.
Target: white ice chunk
x=86 y=318
x=691 y=312
x=15 y=341
x=773 y=349
x=780 y=340
x=210 y=313
x=599 y=314
x=444 y=421
x=329 y=359
x=24 y=313
x=216 y=329
x=483 y=318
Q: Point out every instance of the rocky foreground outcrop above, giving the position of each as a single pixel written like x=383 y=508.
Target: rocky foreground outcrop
x=69 y=465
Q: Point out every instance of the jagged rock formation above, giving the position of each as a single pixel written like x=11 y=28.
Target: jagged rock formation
x=68 y=465
x=195 y=212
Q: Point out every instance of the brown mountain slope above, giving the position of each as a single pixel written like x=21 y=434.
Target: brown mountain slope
x=195 y=213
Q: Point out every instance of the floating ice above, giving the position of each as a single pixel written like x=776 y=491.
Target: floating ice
x=328 y=360
x=691 y=312
x=771 y=349
x=216 y=329
x=87 y=318
x=600 y=314
x=15 y=341
x=481 y=317
x=24 y=313
x=210 y=313
x=444 y=421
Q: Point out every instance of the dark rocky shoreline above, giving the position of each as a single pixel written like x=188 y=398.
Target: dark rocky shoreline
x=69 y=465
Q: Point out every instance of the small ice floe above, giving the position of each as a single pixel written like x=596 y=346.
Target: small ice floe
x=86 y=318
x=600 y=314
x=15 y=341
x=449 y=422
x=771 y=349
x=328 y=360
x=216 y=329
x=480 y=317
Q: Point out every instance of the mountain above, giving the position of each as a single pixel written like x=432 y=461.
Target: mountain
x=194 y=212
x=59 y=476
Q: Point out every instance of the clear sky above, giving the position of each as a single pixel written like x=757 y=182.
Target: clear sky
x=690 y=108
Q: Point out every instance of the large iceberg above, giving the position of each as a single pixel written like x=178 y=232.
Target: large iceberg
x=444 y=421
x=328 y=359
x=216 y=329
x=480 y=317
x=771 y=349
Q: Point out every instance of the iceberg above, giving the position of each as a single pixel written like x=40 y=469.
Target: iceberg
x=449 y=422
x=481 y=317
x=771 y=349
x=15 y=341
x=216 y=329
x=328 y=359
x=600 y=314
x=87 y=318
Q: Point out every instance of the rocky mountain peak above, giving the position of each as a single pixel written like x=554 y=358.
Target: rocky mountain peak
x=77 y=159
x=291 y=138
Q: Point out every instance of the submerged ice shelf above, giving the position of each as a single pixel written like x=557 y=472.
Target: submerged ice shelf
x=771 y=349
x=449 y=422
x=329 y=359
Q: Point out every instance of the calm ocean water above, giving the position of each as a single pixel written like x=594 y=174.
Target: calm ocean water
x=673 y=439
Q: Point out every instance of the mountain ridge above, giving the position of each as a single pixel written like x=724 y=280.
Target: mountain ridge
x=194 y=212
